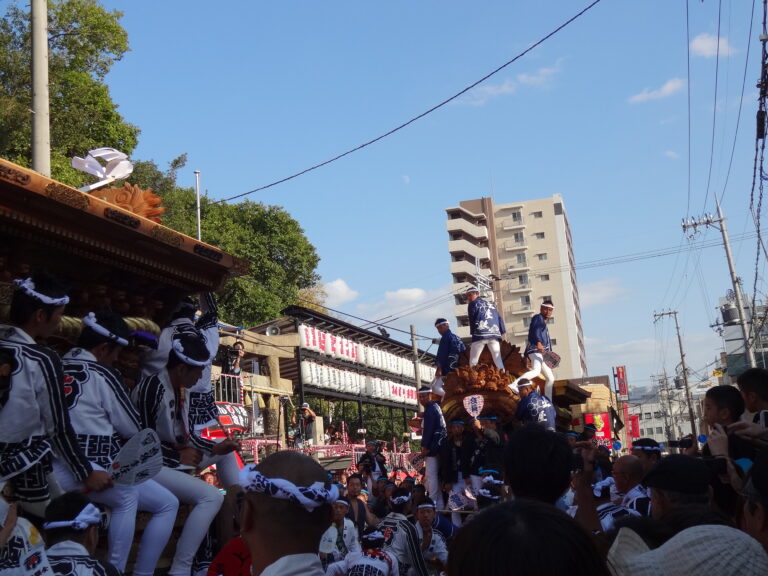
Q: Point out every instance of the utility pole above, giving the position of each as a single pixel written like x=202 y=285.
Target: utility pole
x=415 y=347
x=666 y=404
x=197 y=195
x=41 y=125
x=719 y=223
x=684 y=368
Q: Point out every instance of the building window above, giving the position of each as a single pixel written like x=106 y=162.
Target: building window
x=545 y=298
x=517 y=217
x=659 y=430
x=542 y=256
x=526 y=322
x=538 y=214
x=647 y=415
x=519 y=237
x=553 y=341
x=525 y=300
x=657 y=414
x=521 y=258
x=550 y=320
x=539 y=235
x=523 y=279
x=544 y=277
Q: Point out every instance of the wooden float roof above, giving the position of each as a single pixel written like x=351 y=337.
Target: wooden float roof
x=52 y=222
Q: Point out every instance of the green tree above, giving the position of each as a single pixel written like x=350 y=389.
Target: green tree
x=85 y=40
x=283 y=261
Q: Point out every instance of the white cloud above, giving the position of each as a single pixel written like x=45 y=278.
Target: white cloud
x=338 y=293
x=542 y=78
x=406 y=179
x=671 y=154
x=705 y=45
x=669 y=88
x=604 y=291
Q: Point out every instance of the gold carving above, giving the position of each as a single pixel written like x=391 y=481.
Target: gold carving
x=167 y=235
x=133 y=199
x=67 y=195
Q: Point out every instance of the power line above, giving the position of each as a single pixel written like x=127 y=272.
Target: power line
x=714 y=105
x=420 y=116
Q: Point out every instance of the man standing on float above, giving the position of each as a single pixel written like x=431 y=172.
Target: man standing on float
x=486 y=326
x=538 y=343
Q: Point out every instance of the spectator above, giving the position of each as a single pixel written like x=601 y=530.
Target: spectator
x=285 y=513
x=537 y=464
x=753 y=385
x=627 y=474
x=524 y=538
x=678 y=480
x=755 y=514
x=305 y=425
x=648 y=451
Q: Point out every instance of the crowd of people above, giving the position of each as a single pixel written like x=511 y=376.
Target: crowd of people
x=492 y=500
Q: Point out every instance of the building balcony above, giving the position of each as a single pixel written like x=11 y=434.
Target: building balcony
x=460 y=225
x=513 y=224
x=518 y=268
x=464 y=267
x=462 y=332
x=467 y=247
x=520 y=309
x=513 y=246
x=514 y=288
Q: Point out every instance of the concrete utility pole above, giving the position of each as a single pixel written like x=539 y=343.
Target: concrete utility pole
x=719 y=223
x=684 y=368
x=41 y=121
x=416 y=374
x=197 y=195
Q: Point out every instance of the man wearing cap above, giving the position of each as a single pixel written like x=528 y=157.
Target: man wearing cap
x=538 y=343
x=306 y=424
x=533 y=407
x=678 y=481
x=432 y=438
x=341 y=537
x=285 y=512
x=34 y=420
x=448 y=352
x=486 y=326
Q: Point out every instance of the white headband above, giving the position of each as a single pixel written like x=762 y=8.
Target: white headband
x=401 y=499
x=487 y=494
x=548 y=306
x=491 y=480
x=432 y=506
x=178 y=349
x=310 y=497
x=94 y=325
x=29 y=288
x=88 y=516
x=340 y=501
x=375 y=535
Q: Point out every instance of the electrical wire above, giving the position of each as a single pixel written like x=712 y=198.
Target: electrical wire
x=714 y=105
x=420 y=116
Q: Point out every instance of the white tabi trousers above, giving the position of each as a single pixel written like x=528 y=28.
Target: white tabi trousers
x=433 y=482
x=124 y=501
x=206 y=500
x=538 y=367
x=494 y=346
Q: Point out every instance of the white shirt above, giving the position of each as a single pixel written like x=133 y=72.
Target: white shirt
x=295 y=565
x=373 y=564
x=437 y=547
x=350 y=539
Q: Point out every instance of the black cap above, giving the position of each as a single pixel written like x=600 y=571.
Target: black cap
x=679 y=473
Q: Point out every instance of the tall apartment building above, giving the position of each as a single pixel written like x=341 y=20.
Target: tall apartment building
x=519 y=254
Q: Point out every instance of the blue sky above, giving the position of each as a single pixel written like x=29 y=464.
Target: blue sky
x=255 y=91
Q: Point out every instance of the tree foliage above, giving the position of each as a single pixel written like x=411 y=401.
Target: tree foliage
x=84 y=41
x=283 y=261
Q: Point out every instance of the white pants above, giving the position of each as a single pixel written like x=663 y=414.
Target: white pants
x=538 y=367
x=206 y=500
x=432 y=481
x=458 y=488
x=494 y=346
x=124 y=501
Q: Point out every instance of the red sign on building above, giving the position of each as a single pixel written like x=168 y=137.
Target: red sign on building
x=602 y=422
x=634 y=426
x=621 y=382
